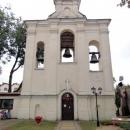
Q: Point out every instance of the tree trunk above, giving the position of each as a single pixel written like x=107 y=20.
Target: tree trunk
x=10 y=81
x=19 y=88
x=11 y=75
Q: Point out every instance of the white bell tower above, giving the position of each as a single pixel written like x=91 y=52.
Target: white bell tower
x=58 y=88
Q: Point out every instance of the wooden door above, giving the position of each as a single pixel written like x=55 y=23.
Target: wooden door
x=67 y=107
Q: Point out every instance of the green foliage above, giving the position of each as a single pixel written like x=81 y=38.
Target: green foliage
x=124 y=2
x=17 y=49
x=12 y=40
x=31 y=125
x=17 y=46
x=7 y=25
x=127 y=86
x=125 y=126
x=12 y=35
x=88 y=125
x=117 y=100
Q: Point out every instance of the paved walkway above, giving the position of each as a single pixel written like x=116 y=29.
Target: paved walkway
x=68 y=125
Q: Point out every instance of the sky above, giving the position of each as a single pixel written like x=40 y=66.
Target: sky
x=93 y=9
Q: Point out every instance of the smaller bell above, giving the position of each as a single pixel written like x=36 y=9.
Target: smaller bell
x=40 y=59
x=94 y=58
x=40 y=55
x=67 y=53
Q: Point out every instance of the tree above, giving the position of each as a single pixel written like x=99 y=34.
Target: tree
x=127 y=86
x=124 y=2
x=12 y=41
x=118 y=100
x=7 y=23
x=17 y=50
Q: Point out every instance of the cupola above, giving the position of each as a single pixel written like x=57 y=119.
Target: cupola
x=67 y=9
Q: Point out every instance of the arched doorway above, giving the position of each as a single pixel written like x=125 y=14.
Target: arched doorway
x=67 y=106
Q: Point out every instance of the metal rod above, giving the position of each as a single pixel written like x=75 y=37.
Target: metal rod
x=98 y=124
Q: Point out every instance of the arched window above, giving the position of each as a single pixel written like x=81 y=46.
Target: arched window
x=40 y=55
x=94 y=56
x=67 y=47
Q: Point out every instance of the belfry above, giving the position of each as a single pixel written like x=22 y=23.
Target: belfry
x=66 y=56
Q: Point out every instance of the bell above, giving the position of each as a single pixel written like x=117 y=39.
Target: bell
x=40 y=59
x=40 y=55
x=94 y=58
x=67 y=53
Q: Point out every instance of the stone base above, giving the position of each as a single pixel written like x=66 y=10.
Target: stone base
x=49 y=107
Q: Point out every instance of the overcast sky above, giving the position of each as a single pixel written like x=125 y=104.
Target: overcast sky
x=93 y=9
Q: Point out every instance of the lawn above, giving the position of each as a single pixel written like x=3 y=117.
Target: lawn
x=87 y=125
x=125 y=126
x=31 y=125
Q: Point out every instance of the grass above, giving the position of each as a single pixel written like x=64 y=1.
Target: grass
x=106 y=122
x=125 y=126
x=91 y=125
x=88 y=125
x=31 y=125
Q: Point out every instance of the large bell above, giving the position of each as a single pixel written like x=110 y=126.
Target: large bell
x=67 y=53
x=94 y=59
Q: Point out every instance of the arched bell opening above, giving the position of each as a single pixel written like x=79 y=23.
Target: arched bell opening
x=67 y=102
x=40 y=55
x=94 y=56
x=67 y=47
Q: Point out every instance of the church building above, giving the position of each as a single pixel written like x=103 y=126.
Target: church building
x=67 y=56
